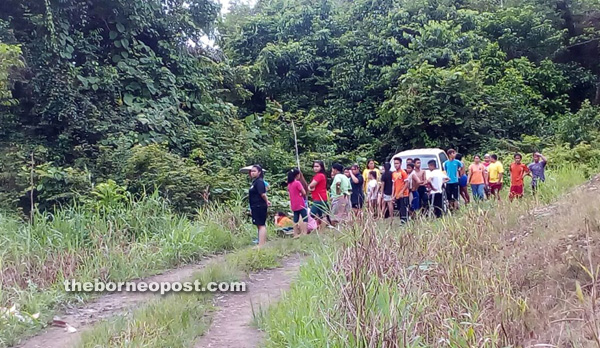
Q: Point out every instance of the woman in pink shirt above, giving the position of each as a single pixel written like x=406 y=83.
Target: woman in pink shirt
x=297 y=202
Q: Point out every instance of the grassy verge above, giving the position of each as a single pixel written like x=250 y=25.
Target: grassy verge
x=178 y=319
x=493 y=275
x=121 y=243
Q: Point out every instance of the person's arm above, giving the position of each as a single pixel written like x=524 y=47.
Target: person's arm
x=302 y=190
x=469 y=176
x=544 y=159
x=486 y=176
x=526 y=172
x=338 y=188
x=312 y=185
x=354 y=178
x=266 y=199
x=262 y=190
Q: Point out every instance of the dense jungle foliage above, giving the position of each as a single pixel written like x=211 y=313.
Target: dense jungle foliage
x=122 y=90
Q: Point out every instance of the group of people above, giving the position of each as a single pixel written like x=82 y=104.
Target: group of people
x=382 y=191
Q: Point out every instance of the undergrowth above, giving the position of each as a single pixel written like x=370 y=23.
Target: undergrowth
x=492 y=275
x=115 y=243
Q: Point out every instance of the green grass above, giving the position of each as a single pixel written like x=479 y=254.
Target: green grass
x=181 y=318
x=452 y=282
x=130 y=241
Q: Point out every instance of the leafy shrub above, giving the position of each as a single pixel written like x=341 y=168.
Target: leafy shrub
x=179 y=181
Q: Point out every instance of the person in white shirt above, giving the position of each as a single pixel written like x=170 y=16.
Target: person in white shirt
x=435 y=181
x=372 y=191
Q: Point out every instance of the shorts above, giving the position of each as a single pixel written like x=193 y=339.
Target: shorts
x=319 y=208
x=516 y=191
x=259 y=215
x=495 y=187
x=463 y=181
x=302 y=212
x=452 y=192
x=388 y=198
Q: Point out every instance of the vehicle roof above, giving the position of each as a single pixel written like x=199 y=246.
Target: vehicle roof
x=428 y=151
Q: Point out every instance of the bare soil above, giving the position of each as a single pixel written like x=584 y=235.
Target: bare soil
x=83 y=318
x=232 y=323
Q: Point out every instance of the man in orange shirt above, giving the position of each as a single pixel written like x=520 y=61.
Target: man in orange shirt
x=401 y=192
x=517 y=172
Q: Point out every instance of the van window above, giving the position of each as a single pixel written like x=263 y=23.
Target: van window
x=443 y=158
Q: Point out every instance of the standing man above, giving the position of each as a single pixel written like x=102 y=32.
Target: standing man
x=413 y=187
x=422 y=190
x=517 y=172
x=357 y=197
x=340 y=190
x=401 y=189
x=435 y=180
x=452 y=167
x=495 y=175
x=486 y=163
x=538 y=170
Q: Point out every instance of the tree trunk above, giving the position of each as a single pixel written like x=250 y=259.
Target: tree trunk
x=597 y=99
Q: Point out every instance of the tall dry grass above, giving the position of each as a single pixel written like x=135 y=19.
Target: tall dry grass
x=490 y=276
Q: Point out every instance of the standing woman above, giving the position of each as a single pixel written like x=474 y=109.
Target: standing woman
x=297 y=202
x=387 y=187
x=476 y=178
x=259 y=203
x=370 y=167
x=318 y=192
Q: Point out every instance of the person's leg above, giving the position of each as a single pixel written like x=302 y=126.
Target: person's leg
x=464 y=191
x=333 y=213
x=415 y=203
x=374 y=208
x=262 y=235
x=496 y=191
x=303 y=222
x=438 y=208
x=296 y=224
x=478 y=191
x=452 y=194
x=423 y=197
x=403 y=203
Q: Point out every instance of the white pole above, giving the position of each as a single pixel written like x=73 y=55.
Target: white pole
x=296 y=144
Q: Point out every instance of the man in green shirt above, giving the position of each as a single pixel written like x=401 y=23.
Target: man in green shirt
x=339 y=193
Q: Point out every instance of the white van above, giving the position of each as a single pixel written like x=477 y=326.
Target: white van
x=425 y=155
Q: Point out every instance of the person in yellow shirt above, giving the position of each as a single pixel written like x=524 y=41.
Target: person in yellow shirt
x=495 y=173
x=370 y=167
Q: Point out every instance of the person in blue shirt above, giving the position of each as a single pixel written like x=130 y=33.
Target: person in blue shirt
x=452 y=168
